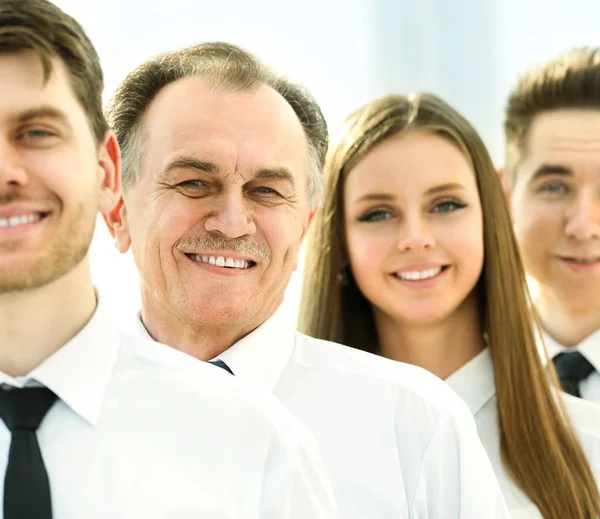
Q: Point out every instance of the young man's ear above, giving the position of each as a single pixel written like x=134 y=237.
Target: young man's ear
x=111 y=202
x=109 y=167
x=503 y=175
x=116 y=221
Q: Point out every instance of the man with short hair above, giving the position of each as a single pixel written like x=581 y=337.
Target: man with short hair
x=94 y=423
x=223 y=163
x=552 y=173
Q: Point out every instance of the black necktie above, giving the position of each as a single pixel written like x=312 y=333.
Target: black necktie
x=26 y=486
x=572 y=368
x=220 y=364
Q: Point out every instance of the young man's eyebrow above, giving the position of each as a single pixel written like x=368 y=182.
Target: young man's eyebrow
x=546 y=170
x=41 y=112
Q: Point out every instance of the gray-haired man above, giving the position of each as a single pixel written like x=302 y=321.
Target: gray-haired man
x=222 y=177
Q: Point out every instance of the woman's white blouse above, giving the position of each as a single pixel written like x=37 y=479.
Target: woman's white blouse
x=475 y=384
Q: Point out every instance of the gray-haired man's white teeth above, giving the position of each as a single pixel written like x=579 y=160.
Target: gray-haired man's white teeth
x=13 y=221
x=222 y=261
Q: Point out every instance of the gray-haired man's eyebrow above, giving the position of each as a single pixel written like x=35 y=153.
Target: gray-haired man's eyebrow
x=277 y=174
x=190 y=163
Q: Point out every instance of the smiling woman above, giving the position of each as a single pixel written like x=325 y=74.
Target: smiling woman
x=423 y=236
x=413 y=257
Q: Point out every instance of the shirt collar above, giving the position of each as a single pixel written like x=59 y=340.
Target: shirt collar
x=474 y=382
x=589 y=348
x=79 y=372
x=260 y=356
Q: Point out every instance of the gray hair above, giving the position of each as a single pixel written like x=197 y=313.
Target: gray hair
x=224 y=66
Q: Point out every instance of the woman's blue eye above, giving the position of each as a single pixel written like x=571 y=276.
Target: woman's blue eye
x=448 y=206
x=375 y=216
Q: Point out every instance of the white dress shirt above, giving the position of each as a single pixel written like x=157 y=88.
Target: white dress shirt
x=141 y=431
x=397 y=442
x=589 y=389
x=475 y=384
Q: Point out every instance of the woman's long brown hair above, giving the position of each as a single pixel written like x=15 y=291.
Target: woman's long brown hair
x=538 y=445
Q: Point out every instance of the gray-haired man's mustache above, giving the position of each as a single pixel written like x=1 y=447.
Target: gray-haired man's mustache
x=214 y=242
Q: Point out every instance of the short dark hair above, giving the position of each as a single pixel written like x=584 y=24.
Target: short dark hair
x=40 y=26
x=569 y=81
x=224 y=66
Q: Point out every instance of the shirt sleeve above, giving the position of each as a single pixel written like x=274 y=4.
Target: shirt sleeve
x=295 y=482
x=457 y=480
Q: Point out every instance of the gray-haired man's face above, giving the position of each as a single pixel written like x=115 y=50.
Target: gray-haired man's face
x=220 y=211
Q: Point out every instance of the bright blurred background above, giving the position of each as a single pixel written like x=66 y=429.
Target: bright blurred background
x=347 y=52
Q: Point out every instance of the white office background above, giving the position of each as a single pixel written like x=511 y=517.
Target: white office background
x=346 y=52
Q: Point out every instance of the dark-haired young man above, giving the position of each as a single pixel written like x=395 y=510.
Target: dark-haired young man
x=552 y=172
x=93 y=423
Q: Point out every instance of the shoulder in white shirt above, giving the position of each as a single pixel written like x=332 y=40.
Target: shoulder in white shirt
x=475 y=384
x=397 y=442
x=143 y=431
x=590 y=349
